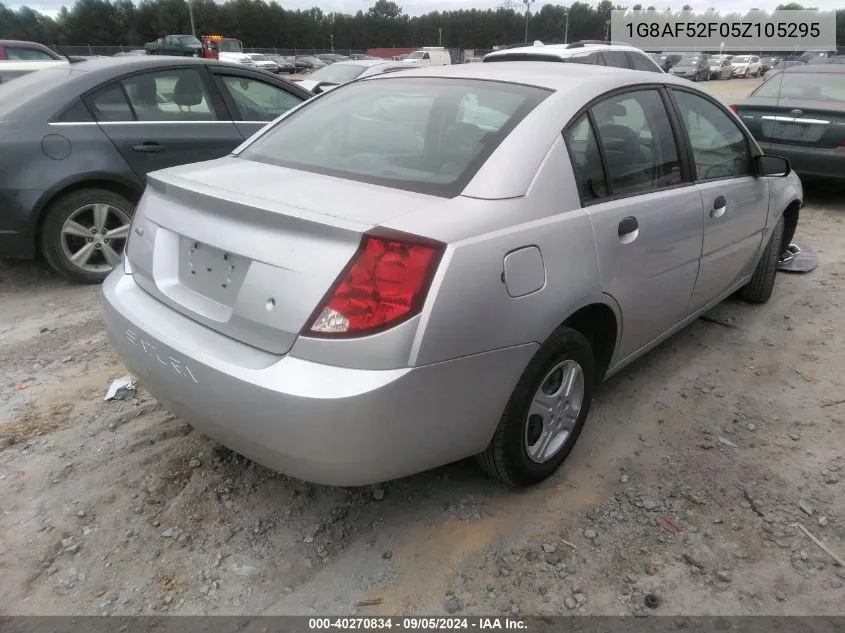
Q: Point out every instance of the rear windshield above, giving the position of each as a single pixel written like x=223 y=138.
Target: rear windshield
x=337 y=73
x=429 y=135
x=259 y=57
x=15 y=93
x=804 y=86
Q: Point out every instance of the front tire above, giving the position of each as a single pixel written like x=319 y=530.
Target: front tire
x=545 y=414
x=759 y=288
x=84 y=234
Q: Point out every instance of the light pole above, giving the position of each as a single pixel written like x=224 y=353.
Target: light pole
x=607 y=31
x=440 y=37
x=527 y=15
x=566 y=26
x=191 y=15
x=331 y=37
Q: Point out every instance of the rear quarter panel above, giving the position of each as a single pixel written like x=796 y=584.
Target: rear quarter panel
x=469 y=310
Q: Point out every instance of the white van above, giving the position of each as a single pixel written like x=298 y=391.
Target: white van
x=430 y=56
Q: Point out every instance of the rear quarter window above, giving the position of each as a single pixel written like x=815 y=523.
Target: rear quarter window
x=429 y=135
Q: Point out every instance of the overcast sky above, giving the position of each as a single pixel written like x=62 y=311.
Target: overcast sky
x=418 y=7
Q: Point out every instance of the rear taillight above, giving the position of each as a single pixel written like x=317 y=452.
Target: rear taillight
x=732 y=107
x=385 y=283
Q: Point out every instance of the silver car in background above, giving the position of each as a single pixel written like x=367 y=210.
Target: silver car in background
x=343 y=72
x=428 y=265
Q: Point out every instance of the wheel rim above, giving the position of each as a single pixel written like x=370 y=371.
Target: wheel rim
x=554 y=411
x=93 y=237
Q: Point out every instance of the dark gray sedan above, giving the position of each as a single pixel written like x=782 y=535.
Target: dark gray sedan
x=799 y=113
x=77 y=141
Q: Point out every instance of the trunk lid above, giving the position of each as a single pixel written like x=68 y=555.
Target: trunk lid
x=787 y=122
x=248 y=249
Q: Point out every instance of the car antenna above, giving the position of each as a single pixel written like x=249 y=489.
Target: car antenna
x=65 y=55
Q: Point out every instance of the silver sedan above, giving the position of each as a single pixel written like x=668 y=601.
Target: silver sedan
x=429 y=265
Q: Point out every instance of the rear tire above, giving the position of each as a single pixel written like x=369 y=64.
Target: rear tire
x=759 y=289
x=60 y=239
x=507 y=457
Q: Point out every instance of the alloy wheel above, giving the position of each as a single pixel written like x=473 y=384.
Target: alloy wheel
x=93 y=237
x=554 y=411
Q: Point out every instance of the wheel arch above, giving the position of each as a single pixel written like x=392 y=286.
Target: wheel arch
x=790 y=221
x=129 y=190
x=600 y=323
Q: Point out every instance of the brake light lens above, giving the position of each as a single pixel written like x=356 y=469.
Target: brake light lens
x=384 y=284
x=732 y=107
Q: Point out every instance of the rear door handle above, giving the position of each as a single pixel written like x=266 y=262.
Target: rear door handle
x=149 y=147
x=628 y=229
x=720 y=205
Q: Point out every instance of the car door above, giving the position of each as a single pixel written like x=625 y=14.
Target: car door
x=645 y=211
x=735 y=201
x=252 y=101
x=166 y=117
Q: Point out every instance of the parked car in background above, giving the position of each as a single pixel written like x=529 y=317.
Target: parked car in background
x=300 y=65
x=345 y=263
x=344 y=72
x=667 y=60
x=263 y=62
x=746 y=66
x=360 y=56
x=720 y=67
x=77 y=141
x=619 y=56
x=799 y=113
x=18 y=58
x=331 y=58
x=781 y=65
x=767 y=63
x=132 y=53
x=284 y=65
x=692 y=66
x=311 y=63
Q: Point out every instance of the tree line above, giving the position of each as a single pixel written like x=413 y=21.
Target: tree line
x=262 y=24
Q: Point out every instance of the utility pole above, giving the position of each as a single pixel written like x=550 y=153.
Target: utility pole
x=191 y=14
x=527 y=15
x=440 y=37
x=331 y=37
x=566 y=26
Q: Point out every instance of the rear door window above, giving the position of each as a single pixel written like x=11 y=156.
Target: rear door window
x=637 y=142
x=110 y=104
x=617 y=59
x=429 y=135
x=586 y=159
x=641 y=62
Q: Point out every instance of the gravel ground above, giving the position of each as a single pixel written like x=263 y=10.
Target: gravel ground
x=682 y=496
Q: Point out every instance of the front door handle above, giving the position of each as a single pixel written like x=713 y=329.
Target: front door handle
x=628 y=229
x=149 y=147
x=720 y=205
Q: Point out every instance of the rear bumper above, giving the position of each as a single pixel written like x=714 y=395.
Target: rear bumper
x=324 y=424
x=810 y=162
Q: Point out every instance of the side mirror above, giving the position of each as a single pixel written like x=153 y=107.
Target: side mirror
x=767 y=165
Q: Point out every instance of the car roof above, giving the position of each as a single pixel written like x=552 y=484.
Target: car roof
x=563 y=51
x=589 y=79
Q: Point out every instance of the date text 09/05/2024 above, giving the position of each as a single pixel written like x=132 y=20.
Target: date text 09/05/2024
x=789 y=30
x=416 y=624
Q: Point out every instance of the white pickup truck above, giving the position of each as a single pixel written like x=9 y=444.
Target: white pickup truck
x=19 y=58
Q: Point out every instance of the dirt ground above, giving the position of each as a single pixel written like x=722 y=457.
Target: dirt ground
x=688 y=483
